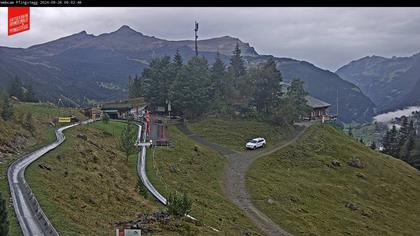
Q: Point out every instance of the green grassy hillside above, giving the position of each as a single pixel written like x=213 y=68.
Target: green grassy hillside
x=235 y=133
x=15 y=138
x=197 y=171
x=90 y=184
x=300 y=189
x=42 y=115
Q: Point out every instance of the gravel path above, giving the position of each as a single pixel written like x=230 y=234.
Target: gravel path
x=234 y=178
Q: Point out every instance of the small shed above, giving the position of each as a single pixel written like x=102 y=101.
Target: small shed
x=121 y=109
x=319 y=107
x=115 y=110
x=93 y=112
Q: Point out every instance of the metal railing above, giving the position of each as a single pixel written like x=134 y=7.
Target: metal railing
x=141 y=168
x=141 y=171
x=29 y=213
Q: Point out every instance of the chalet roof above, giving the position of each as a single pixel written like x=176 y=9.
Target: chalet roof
x=315 y=102
x=116 y=106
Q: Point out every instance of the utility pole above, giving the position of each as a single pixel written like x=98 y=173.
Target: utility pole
x=196 y=37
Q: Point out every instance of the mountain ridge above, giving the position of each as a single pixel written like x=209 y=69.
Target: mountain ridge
x=82 y=67
x=387 y=81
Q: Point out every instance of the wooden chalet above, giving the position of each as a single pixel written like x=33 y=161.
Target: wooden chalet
x=122 y=109
x=319 y=108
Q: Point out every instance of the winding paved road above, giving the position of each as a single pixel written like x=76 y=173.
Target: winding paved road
x=234 y=178
x=32 y=219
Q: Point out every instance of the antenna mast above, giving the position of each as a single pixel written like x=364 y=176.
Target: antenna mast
x=196 y=37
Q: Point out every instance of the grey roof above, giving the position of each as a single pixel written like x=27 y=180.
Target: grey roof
x=116 y=106
x=310 y=101
x=315 y=102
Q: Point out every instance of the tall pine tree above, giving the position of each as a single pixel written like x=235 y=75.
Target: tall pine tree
x=266 y=80
x=177 y=62
x=218 y=78
x=404 y=131
x=158 y=78
x=391 y=143
x=190 y=91
x=237 y=64
x=296 y=96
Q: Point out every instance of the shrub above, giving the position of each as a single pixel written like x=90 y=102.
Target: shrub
x=28 y=123
x=7 y=110
x=179 y=205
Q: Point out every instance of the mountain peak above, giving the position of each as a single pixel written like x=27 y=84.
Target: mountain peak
x=126 y=29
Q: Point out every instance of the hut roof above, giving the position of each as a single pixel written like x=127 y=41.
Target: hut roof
x=315 y=102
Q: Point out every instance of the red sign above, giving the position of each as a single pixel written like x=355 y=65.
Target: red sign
x=147 y=122
x=19 y=20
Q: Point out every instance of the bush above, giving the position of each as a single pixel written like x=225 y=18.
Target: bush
x=7 y=110
x=179 y=205
x=28 y=123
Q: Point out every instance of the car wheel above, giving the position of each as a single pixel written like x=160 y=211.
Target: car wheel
x=255 y=147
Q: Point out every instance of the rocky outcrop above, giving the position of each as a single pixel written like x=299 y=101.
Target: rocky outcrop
x=355 y=163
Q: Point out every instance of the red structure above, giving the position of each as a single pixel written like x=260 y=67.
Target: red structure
x=18 y=20
x=147 y=122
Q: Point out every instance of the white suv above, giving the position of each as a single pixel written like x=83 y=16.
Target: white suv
x=255 y=143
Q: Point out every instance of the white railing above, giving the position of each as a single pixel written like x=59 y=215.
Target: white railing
x=29 y=213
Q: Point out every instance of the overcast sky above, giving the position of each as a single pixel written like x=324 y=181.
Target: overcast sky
x=326 y=37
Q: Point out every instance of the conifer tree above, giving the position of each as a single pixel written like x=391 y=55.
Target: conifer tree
x=190 y=91
x=237 y=64
x=218 y=78
x=391 y=143
x=404 y=131
x=177 y=62
x=407 y=148
x=296 y=94
x=157 y=80
x=266 y=80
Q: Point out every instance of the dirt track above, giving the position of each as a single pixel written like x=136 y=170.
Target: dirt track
x=234 y=178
